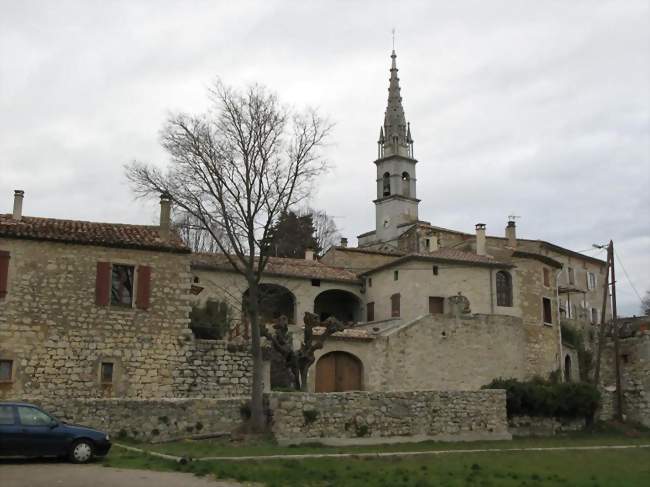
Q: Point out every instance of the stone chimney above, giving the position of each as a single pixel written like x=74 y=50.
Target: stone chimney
x=511 y=234
x=309 y=254
x=19 y=194
x=165 y=216
x=480 y=239
x=344 y=242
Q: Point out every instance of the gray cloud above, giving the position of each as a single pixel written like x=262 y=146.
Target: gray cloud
x=541 y=108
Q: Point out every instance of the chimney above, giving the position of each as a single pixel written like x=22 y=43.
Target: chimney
x=511 y=234
x=480 y=238
x=309 y=254
x=18 y=204
x=165 y=216
x=344 y=242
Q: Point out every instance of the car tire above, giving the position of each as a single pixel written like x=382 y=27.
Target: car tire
x=82 y=451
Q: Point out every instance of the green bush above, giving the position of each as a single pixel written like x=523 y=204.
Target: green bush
x=538 y=397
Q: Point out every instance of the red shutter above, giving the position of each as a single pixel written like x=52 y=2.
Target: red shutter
x=103 y=284
x=4 y=272
x=144 y=287
x=395 y=305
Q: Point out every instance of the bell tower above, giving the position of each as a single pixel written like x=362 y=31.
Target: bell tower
x=396 y=201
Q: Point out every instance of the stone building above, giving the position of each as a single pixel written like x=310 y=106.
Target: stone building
x=102 y=310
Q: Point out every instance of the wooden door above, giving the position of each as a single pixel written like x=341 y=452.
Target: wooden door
x=436 y=305
x=338 y=372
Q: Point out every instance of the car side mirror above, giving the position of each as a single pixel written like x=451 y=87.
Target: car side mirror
x=54 y=425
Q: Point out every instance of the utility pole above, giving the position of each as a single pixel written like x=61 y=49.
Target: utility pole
x=603 y=322
x=617 y=358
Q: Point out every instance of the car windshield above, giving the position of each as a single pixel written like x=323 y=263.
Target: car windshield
x=34 y=417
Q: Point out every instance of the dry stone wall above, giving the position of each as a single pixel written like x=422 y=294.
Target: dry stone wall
x=540 y=426
x=381 y=417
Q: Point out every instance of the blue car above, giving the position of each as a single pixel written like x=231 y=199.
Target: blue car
x=28 y=431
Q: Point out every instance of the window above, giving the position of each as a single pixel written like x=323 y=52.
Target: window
x=370 y=312
x=571 y=275
x=33 y=417
x=436 y=305
x=406 y=184
x=504 y=289
x=567 y=368
x=435 y=270
x=4 y=273
x=386 y=184
x=122 y=285
x=395 y=305
x=6 y=369
x=370 y=282
x=547 y=277
x=7 y=415
x=395 y=275
x=625 y=358
x=315 y=282
x=594 y=316
x=427 y=244
x=591 y=280
x=107 y=373
x=547 y=311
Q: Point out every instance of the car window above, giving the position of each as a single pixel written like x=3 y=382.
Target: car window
x=33 y=417
x=6 y=415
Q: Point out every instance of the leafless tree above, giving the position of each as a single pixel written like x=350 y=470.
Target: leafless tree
x=645 y=304
x=326 y=232
x=195 y=236
x=235 y=169
x=299 y=361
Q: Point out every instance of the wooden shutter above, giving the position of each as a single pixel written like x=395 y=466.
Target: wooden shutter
x=436 y=305
x=4 y=273
x=144 y=287
x=370 y=312
x=394 y=305
x=103 y=284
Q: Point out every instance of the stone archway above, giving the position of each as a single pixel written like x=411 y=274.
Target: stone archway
x=339 y=372
x=274 y=301
x=342 y=305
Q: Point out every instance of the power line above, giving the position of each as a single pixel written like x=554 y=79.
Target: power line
x=628 y=277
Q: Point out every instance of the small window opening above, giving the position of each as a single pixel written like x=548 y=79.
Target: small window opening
x=547 y=277
x=625 y=358
x=427 y=243
x=571 y=275
x=386 y=184
x=196 y=280
x=122 y=285
x=435 y=270
x=370 y=282
x=6 y=370
x=315 y=282
x=107 y=373
x=395 y=305
x=370 y=312
x=395 y=275
x=546 y=308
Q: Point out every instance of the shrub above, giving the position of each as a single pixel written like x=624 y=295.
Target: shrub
x=310 y=415
x=538 y=397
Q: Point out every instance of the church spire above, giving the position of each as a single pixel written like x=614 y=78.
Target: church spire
x=397 y=139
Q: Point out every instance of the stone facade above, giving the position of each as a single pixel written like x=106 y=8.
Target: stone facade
x=439 y=352
x=635 y=378
x=372 y=417
x=57 y=337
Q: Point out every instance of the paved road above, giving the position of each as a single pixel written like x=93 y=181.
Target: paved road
x=59 y=474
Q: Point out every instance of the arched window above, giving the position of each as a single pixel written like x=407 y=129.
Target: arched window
x=504 y=289
x=386 y=181
x=567 y=368
x=406 y=184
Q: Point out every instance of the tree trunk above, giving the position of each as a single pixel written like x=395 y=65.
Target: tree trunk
x=304 y=386
x=258 y=418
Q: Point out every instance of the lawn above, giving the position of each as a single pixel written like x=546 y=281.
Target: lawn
x=630 y=467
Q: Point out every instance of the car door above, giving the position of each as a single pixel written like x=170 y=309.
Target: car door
x=39 y=435
x=9 y=431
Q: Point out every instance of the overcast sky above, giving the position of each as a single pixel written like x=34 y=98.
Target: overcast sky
x=536 y=108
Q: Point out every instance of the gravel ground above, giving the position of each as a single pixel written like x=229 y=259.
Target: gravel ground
x=59 y=474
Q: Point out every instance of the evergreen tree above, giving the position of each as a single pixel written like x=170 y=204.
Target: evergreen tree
x=291 y=235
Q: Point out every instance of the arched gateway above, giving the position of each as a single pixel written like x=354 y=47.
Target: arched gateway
x=338 y=372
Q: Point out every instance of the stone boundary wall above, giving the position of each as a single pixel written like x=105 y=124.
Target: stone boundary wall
x=149 y=419
x=541 y=426
x=385 y=417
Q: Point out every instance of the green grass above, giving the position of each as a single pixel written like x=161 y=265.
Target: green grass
x=228 y=448
x=499 y=469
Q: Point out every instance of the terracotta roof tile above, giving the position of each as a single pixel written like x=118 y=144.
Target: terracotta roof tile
x=308 y=269
x=88 y=233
